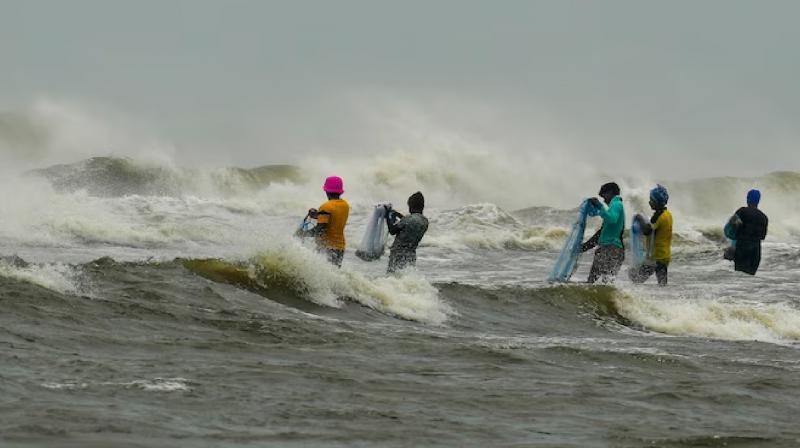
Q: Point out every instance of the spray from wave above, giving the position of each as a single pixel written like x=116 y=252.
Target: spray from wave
x=488 y=227
x=289 y=266
x=58 y=277
x=471 y=187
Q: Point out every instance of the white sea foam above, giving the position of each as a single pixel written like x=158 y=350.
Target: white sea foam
x=203 y=215
x=487 y=226
x=409 y=296
x=160 y=385
x=149 y=385
x=58 y=277
x=65 y=386
x=713 y=318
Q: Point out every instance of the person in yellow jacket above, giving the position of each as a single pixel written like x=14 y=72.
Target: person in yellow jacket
x=331 y=220
x=659 y=239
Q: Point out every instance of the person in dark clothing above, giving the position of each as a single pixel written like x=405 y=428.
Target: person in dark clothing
x=609 y=256
x=408 y=231
x=750 y=225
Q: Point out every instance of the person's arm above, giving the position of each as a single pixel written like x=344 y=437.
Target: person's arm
x=323 y=218
x=315 y=231
x=612 y=214
x=591 y=242
x=737 y=223
x=766 y=223
x=646 y=227
x=394 y=221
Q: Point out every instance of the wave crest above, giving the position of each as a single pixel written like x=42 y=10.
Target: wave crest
x=114 y=177
x=308 y=276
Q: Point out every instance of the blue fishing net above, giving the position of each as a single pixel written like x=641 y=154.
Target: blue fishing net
x=567 y=261
x=730 y=229
x=373 y=244
x=730 y=233
x=306 y=224
x=638 y=250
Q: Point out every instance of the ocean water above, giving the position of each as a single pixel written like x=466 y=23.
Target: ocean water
x=148 y=305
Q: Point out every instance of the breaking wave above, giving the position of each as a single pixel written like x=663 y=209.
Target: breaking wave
x=291 y=267
x=487 y=226
x=719 y=319
x=58 y=277
x=114 y=177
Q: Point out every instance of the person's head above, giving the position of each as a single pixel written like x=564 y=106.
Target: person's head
x=333 y=187
x=608 y=191
x=416 y=203
x=753 y=198
x=659 y=197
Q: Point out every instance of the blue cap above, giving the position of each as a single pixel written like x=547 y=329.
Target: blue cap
x=659 y=195
x=753 y=197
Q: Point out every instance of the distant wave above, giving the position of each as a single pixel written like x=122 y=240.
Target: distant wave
x=487 y=226
x=123 y=202
x=112 y=177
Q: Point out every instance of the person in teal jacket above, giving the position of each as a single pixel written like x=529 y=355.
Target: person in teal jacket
x=610 y=254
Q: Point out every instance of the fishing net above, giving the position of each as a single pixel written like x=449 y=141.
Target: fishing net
x=567 y=261
x=375 y=236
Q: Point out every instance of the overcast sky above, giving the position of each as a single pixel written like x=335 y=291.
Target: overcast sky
x=694 y=88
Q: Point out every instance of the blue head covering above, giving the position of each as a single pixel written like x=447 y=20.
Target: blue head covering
x=659 y=195
x=753 y=197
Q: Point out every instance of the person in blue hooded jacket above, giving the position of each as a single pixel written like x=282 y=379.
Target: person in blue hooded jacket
x=750 y=225
x=610 y=254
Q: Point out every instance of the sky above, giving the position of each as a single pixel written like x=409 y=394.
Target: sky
x=680 y=88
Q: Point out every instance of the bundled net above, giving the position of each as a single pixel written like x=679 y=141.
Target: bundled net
x=567 y=261
x=373 y=244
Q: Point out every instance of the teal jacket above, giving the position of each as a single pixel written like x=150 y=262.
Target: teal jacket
x=613 y=223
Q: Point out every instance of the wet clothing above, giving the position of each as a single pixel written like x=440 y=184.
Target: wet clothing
x=754 y=224
x=408 y=232
x=747 y=256
x=335 y=257
x=749 y=234
x=606 y=264
x=643 y=272
x=613 y=223
x=609 y=256
x=659 y=241
x=333 y=214
x=659 y=249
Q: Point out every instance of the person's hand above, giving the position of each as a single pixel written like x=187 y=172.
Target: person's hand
x=595 y=202
x=585 y=247
x=640 y=219
x=312 y=213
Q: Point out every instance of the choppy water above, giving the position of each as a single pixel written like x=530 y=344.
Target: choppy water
x=172 y=320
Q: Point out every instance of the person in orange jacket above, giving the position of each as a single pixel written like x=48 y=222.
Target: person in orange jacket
x=331 y=220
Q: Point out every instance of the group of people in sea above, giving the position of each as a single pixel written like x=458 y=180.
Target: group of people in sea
x=746 y=229
x=332 y=216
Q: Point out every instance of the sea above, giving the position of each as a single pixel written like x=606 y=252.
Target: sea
x=148 y=304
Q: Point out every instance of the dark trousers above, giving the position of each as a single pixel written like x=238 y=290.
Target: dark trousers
x=400 y=259
x=606 y=264
x=334 y=256
x=643 y=272
x=748 y=256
